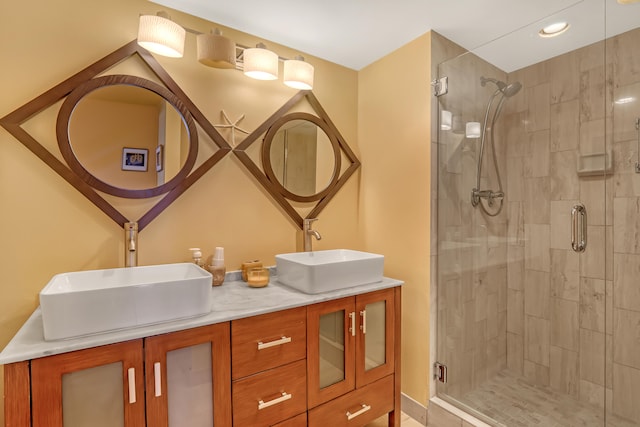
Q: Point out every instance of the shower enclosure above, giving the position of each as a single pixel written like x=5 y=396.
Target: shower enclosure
x=538 y=229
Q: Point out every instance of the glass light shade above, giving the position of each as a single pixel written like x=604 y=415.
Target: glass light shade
x=161 y=35
x=260 y=63
x=446 y=119
x=215 y=50
x=298 y=74
x=473 y=130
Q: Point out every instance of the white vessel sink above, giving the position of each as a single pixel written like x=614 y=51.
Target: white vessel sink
x=323 y=271
x=89 y=302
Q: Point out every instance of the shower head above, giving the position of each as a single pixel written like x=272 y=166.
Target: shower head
x=507 y=90
x=511 y=89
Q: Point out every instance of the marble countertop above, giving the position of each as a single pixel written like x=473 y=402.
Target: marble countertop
x=233 y=300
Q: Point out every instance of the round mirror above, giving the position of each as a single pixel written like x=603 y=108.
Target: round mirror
x=301 y=157
x=127 y=136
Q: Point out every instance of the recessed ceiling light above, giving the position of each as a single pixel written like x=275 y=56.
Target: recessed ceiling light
x=554 y=29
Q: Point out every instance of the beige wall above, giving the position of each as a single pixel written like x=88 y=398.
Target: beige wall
x=47 y=227
x=394 y=133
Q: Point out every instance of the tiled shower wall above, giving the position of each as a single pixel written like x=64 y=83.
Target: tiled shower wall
x=573 y=320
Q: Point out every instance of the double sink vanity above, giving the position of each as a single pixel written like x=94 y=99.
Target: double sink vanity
x=158 y=346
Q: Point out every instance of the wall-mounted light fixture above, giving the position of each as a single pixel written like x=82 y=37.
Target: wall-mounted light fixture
x=260 y=63
x=473 y=130
x=298 y=74
x=216 y=50
x=159 y=34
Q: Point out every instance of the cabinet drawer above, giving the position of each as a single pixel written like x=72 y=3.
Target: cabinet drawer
x=362 y=406
x=263 y=342
x=271 y=396
x=299 y=421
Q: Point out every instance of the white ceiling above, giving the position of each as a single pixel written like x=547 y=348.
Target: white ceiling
x=355 y=33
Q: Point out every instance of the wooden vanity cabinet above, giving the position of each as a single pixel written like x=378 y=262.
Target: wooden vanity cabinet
x=352 y=348
x=184 y=376
x=335 y=362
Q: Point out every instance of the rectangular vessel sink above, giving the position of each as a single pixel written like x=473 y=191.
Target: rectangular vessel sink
x=323 y=271
x=88 y=302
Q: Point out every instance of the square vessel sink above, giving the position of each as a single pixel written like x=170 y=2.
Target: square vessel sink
x=88 y=302
x=323 y=271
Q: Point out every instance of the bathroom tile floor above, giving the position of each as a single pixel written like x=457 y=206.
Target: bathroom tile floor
x=513 y=402
x=405 y=421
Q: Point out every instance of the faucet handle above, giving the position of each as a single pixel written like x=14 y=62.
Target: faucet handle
x=308 y=221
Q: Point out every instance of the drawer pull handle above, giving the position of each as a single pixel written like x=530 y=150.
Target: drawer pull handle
x=131 y=375
x=157 y=376
x=283 y=340
x=364 y=409
x=262 y=404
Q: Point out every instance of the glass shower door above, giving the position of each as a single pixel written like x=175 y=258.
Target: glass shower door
x=622 y=310
x=534 y=330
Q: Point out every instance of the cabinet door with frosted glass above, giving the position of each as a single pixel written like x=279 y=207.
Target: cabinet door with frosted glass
x=375 y=336
x=97 y=387
x=331 y=329
x=188 y=378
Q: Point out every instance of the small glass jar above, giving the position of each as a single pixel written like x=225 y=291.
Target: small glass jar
x=258 y=277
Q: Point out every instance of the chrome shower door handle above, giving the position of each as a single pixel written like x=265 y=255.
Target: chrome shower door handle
x=579 y=228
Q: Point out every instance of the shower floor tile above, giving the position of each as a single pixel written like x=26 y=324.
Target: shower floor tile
x=512 y=401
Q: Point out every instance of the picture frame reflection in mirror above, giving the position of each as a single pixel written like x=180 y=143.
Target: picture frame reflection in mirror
x=135 y=159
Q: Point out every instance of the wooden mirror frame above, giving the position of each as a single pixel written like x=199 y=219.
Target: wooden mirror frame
x=266 y=156
x=274 y=187
x=14 y=120
x=64 y=142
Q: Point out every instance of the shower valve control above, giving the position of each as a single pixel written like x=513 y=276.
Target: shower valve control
x=440 y=372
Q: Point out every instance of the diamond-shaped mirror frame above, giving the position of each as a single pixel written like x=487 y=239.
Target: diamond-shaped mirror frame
x=274 y=188
x=13 y=121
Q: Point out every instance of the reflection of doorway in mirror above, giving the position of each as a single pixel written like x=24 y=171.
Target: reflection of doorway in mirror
x=294 y=162
x=172 y=156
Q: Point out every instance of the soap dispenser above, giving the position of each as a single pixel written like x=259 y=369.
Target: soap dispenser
x=217 y=267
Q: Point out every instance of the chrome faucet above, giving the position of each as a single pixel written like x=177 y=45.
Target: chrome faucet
x=131 y=244
x=308 y=232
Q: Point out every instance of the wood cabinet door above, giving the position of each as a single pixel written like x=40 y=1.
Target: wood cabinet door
x=375 y=342
x=187 y=376
x=101 y=386
x=331 y=331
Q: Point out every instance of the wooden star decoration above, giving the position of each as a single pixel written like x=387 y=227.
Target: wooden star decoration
x=233 y=126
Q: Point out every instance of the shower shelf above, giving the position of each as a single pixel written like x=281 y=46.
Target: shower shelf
x=594 y=164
